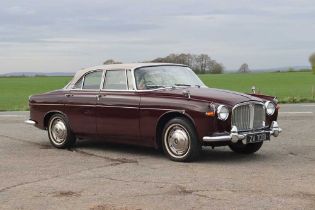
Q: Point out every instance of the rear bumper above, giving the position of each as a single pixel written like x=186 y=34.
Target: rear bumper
x=235 y=136
x=30 y=122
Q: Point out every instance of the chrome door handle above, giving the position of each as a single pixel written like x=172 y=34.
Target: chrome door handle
x=68 y=95
x=98 y=97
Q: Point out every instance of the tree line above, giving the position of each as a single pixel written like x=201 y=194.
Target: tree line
x=199 y=63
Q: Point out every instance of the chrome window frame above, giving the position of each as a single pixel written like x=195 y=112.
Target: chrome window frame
x=83 y=76
x=127 y=90
x=115 y=90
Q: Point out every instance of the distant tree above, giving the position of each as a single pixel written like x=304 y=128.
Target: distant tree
x=312 y=61
x=217 y=68
x=291 y=69
x=201 y=63
x=111 y=61
x=40 y=75
x=244 y=68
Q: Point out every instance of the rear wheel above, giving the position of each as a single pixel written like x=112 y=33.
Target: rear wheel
x=179 y=140
x=241 y=148
x=59 y=132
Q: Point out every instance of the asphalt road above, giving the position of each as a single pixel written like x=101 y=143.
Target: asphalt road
x=96 y=175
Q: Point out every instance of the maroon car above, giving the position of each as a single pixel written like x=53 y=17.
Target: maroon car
x=156 y=105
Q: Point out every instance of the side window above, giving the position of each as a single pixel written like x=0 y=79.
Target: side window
x=78 y=85
x=115 y=80
x=92 y=80
x=130 y=80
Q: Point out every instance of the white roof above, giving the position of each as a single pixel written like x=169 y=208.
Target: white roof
x=131 y=66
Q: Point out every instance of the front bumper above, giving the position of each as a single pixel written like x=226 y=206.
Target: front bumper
x=236 y=136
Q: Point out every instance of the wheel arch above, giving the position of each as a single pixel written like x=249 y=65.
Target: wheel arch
x=167 y=117
x=49 y=114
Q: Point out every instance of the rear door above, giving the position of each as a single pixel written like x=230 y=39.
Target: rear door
x=81 y=103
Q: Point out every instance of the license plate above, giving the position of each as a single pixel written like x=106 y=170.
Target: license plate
x=259 y=137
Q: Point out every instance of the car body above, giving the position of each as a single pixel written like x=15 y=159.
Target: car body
x=148 y=104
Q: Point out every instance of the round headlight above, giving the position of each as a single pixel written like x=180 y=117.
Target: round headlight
x=270 y=108
x=223 y=112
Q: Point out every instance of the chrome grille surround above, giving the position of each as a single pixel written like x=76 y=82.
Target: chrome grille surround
x=249 y=116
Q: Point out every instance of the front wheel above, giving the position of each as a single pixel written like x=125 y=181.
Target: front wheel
x=180 y=141
x=59 y=132
x=241 y=148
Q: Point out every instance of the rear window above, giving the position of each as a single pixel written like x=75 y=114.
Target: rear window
x=92 y=80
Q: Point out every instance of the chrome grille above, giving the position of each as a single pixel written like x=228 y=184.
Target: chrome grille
x=248 y=116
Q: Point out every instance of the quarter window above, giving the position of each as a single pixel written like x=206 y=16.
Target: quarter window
x=115 y=80
x=92 y=80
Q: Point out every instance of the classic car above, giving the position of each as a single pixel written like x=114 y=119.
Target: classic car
x=155 y=105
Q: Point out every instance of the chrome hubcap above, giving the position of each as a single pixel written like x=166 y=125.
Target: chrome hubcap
x=177 y=139
x=58 y=131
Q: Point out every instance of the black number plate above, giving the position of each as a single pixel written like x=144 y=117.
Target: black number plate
x=258 y=137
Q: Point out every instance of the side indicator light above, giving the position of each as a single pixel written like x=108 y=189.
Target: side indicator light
x=210 y=114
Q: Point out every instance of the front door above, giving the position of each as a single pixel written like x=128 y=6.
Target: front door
x=118 y=108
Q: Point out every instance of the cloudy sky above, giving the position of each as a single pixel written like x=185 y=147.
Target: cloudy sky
x=54 y=35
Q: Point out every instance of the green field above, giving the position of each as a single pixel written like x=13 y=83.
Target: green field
x=288 y=87
x=14 y=91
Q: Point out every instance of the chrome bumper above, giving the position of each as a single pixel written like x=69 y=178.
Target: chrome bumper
x=30 y=122
x=235 y=136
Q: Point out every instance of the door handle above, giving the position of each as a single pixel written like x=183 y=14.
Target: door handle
x=98 y=97
x=68 y=95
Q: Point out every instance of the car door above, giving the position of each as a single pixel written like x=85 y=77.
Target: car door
x=118 y=107
x=80 y=107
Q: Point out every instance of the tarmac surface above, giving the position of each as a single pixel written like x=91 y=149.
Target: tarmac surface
x=98 y=175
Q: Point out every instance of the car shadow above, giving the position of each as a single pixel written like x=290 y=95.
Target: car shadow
x=220 y=154
x=97 y=144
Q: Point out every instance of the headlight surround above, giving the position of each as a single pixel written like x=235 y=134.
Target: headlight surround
x=223 y=112
x=270 y=107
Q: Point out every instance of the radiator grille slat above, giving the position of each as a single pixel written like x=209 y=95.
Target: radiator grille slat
x=248 y=116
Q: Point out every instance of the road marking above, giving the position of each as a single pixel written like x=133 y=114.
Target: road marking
x=295 y=112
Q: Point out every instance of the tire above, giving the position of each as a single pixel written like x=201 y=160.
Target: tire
x=241 y=148
x=59 y=132
x=179 y=140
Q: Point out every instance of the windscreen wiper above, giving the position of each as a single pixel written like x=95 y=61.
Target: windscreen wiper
x=179 y=84
x=186 y=85
x=155 y=86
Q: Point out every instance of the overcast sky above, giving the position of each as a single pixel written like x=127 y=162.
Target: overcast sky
x=54 y=35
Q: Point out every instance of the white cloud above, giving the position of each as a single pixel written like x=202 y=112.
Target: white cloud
x=18 y=10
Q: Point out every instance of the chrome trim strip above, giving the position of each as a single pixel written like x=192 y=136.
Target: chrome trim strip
x=114 y=90
x=82 y=105
x=161 y=109
x=124 y=107
x=42 y=104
